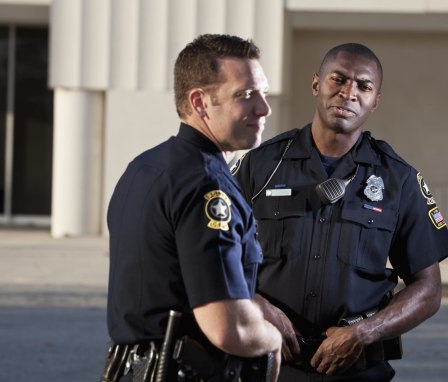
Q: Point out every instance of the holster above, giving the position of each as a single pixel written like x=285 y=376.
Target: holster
x=196 y=361
x=143 y=365
x=122 y=359
x=115 y=364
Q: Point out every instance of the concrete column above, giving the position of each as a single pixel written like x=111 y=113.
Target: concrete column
x=211 y=16
x=77 y=160
x=65 y=43
x=183 y=21
x=153 y=45
x=124 y=44
x=95 y=44
x=269 y=37
x=240 y=17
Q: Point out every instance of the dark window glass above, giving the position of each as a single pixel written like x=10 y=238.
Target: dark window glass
x=33 y=124
x=3 y=82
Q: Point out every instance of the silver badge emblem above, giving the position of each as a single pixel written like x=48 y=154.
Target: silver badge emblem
x=374 y=188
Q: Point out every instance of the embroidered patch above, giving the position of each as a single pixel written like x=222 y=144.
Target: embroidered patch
x=217 y=210
x=234 y=169
x=436 y=217
x=374 y=188
x=425 y=190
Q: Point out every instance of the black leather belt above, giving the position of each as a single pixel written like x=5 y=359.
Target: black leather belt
x=371 y=355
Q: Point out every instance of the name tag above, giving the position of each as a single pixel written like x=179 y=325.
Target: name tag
x=279 y=192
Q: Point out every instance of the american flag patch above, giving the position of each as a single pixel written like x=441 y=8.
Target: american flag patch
x=436 y=217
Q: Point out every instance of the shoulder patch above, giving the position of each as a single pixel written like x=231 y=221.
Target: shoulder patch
x=217 y=210
x=425 y=190
x=436 y=218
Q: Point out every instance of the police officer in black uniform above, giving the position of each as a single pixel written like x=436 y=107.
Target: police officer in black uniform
x=333 y=205
x=182 y=237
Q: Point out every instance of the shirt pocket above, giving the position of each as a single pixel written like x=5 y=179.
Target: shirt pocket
x=280 y=221
x=366 y=237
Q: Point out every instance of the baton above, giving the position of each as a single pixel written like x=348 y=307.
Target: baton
x=172 y=327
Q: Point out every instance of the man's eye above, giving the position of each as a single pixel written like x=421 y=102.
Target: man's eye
x=247 y=94
x=338 y=80
x=365 y=87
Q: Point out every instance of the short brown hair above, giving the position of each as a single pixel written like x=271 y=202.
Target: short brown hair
x=197 y=64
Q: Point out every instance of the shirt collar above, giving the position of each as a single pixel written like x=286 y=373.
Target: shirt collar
x=303 y=145
x=192 y=135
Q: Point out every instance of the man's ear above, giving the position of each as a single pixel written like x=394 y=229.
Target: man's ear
x=197 y=101
x=315 y=84
x=377 y=101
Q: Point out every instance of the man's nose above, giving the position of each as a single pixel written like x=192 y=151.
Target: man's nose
x=263 y=108
x=349 y=91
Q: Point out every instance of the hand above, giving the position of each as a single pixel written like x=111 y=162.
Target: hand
x=290 y=345
x=340 y=350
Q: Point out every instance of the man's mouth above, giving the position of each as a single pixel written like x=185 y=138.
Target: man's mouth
x=258 y=125
x=344 y=111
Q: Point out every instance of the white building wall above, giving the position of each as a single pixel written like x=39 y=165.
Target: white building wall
x=112 y=61
x=124 y=52
x=382 y=6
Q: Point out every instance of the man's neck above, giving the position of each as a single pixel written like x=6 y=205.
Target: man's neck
x=333 y=144
x=199 y=125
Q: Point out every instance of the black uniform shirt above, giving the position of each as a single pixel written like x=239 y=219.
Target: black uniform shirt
x=324 y=262
x=181 y=235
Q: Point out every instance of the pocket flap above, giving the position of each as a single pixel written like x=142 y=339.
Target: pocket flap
x=279 y=207
x=381 y=218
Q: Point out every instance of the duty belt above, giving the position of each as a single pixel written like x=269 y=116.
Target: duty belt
x=181 y=358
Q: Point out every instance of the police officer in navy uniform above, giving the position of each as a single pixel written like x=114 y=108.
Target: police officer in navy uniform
x=182 y=237
x=327 y=243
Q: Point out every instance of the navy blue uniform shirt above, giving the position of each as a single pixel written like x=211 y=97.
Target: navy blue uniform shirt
x=324 y=262
x=181 y=236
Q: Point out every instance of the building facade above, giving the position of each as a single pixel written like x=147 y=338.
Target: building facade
x=86 y=85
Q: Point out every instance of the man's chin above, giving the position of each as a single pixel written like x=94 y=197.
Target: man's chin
x=246 y=144
x=256 y=142
x=252 y=145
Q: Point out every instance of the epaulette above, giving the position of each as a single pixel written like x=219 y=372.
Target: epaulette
x=386 y=148
x=286 y=136
x=280 y=137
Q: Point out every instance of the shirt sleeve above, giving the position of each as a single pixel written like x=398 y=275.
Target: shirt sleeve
x=209 y=232
x=421 y=237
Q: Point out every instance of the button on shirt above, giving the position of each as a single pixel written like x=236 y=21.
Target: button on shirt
x=326 y=261
x=181 y=235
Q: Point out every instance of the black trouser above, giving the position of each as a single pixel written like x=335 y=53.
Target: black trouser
x=380 y=372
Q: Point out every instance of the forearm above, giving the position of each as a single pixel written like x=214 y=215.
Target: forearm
x=418 y=301
x=238 y=327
